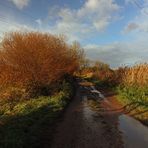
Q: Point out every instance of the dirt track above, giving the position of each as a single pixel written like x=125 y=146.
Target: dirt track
x=87 y=123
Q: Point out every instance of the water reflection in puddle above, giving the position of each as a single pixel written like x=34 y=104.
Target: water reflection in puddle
x=135 y=134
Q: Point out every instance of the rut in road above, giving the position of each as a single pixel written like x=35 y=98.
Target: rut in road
x=86 y=124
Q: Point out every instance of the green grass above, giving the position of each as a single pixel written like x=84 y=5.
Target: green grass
x=134 y=94
x=24 y=125
x=138 y=95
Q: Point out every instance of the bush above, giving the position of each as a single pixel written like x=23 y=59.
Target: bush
x=34 y=61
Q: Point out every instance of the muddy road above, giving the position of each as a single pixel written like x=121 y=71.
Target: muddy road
x=93 y=121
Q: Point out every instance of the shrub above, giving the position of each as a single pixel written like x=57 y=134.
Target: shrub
x=34 y=61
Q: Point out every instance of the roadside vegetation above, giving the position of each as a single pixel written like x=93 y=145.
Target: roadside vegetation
x=133 y=90
x=36 y=84
x=28 y=121
x=129 y=83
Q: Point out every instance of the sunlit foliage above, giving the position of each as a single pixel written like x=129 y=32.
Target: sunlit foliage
x=34 y=60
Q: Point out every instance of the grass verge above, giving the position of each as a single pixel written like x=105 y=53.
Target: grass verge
x=23 y=125
x=138 y=100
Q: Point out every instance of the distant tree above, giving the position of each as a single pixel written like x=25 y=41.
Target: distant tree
x=101 y=66
x=78 y=50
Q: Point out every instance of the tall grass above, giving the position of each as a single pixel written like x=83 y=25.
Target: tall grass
x=127 y=76
x=134 y=84
x=133 y=88
x=131 y=84
x=136 y=75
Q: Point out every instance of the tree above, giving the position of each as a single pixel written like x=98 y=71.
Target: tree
x=34 y=60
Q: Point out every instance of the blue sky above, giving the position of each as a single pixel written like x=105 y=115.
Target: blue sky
x=113 y=31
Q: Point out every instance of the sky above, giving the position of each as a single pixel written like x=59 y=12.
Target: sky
x=112 y=31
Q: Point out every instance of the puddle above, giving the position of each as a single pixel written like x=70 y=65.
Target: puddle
x=134 y=133
x=88 y=112
x=92 y=87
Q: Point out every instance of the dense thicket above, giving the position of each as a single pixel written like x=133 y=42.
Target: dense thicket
x=34 y=60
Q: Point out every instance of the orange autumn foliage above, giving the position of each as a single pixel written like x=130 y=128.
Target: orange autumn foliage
x=36 y=59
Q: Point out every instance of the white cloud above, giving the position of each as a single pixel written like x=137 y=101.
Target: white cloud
x=93 y=16
x=39 y=22
x=120 y=53
x=20 y=4
x=20 y=27
x=101 y=25
x=14 y=26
